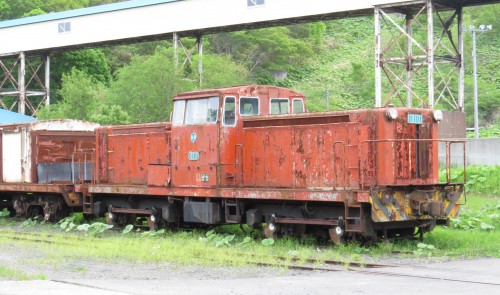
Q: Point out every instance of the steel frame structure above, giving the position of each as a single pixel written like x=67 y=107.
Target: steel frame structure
x=420 y=66
x=176 y=39
x=21 y=77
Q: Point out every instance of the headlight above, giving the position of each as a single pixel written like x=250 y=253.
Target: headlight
x=153 y=218
x=392 y=113
x=438 y=115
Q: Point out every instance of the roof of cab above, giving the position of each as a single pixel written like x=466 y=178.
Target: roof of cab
x=253 y=89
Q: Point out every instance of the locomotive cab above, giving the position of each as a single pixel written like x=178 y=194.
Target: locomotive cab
x=207 y=144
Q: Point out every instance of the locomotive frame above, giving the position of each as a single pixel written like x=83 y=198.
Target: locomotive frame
x=251 y=154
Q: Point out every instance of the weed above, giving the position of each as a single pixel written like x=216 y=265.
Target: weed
x=424 y=249
x=486 y=218
x=29 y=222
x=4 y=213
x=153 y=233
x=14 y=274
x=480 y=178
x=67 y=223
x=267 y=242
x=127 y=229
x=70 y=223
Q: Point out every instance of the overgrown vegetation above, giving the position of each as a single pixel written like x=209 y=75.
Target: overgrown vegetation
x=487 y=218
x=479 y=178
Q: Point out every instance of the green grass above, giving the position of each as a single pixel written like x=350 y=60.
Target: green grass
x=17 y=275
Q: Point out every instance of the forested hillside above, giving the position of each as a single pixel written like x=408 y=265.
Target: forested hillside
x=332 y=62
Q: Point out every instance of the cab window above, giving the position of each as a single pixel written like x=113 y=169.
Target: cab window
x=229 y=111
x=297 y=106
x=178 y=117
x=201 y=111
x=279 y=106
x=249 y=106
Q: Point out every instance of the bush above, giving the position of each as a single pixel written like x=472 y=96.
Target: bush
x=480 y=179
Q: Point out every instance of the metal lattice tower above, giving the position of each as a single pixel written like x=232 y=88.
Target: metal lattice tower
x=419 y=49
x=24 y=82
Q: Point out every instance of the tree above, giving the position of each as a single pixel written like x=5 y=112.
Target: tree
x=81 y=96
x=145 y=87
x=220 y=71
x=276 y=48
x=4 y=10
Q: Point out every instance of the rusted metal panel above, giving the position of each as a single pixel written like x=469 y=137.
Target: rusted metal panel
x=401 y=205
x=159 y=175
x=126 y=153
x=196 y=155
x=21 y=145
x=285 y=194
x=279 y=158
x=56 y=156
x=299 y=156
x=28 y=187
x=102 y=155
x=453 y=125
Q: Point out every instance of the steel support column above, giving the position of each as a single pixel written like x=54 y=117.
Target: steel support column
x=378 y=62
x=419 y=55
x=199 y=40
x=430 y=54
x=197 y=48
x=175 y=40
x=461 y=68
x=21 y=73
x=47 y=80
x=409 y=59
x=22 y=84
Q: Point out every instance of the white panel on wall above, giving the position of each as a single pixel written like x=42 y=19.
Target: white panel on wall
x=11 y=148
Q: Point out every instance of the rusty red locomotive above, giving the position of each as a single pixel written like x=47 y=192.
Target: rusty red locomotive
x=248 y=154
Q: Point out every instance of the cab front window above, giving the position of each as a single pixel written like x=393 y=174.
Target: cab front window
x=201 y=111
x=178 y=117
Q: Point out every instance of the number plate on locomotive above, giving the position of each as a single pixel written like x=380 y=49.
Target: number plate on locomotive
x=193 y=156
x=415 y=119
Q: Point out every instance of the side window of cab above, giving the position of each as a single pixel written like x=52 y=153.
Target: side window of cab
x=297 y=106
x=229 y=118
x=249 y=106
x=280 y=106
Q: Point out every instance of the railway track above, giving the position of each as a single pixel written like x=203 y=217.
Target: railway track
x=378 y=269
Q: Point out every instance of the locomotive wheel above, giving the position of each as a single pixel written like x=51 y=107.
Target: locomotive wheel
x=34 y=211
x=55 y=212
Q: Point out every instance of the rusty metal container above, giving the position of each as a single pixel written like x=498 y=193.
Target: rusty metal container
x=44 y=151
x=134 y=154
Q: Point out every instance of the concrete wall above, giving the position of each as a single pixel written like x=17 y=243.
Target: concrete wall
x=481 y=151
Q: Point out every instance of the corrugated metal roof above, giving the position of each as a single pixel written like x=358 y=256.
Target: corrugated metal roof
x=81 y=12
x=8 y=117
